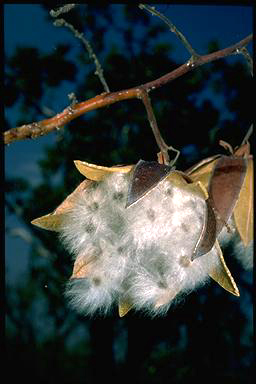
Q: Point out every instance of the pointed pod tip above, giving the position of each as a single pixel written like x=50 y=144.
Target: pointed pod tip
x=120 y=313
x=80 y=165
x=124 y=307
x=233 y=290
x=40 y=222
x=222 y=275
x=51 y=221
x=77 y=162
x=34 y=222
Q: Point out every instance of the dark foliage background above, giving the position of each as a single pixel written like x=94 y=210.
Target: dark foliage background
x=208 y=337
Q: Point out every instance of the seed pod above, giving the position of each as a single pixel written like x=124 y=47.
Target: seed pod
x=143 y=256
x=230 y=183
x=224 y=187
x=243 y=212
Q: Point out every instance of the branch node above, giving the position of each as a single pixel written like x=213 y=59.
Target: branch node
x=73 y=99
x=244 y=51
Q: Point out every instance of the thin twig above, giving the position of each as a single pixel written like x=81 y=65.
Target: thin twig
x=43 y=127
x=226 y=146
x=165 y=159
x=248 y=134
x=66 y=8
x=153 y=123
x=85 y=42
x=172 y=28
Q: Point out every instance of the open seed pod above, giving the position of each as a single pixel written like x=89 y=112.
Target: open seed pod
x=141 y=237
x=229 y=181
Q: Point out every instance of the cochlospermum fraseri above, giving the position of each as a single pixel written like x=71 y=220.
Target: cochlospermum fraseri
x=141 y=237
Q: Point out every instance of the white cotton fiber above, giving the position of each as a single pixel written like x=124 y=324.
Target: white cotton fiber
x=92 y=231
x=142 y=252
x=230 y=235
x=244 y=254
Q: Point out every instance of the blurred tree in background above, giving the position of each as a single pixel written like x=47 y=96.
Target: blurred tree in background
x=207 y=336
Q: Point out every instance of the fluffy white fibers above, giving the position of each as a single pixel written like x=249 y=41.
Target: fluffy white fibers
x=229 y=235
x=169 y=225
x=93 y=231
x=244 y=254
x=142 y=252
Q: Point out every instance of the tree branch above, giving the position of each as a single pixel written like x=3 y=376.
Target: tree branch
x=43 y=127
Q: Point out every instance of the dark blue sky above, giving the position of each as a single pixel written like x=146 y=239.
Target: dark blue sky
x=26 y=25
